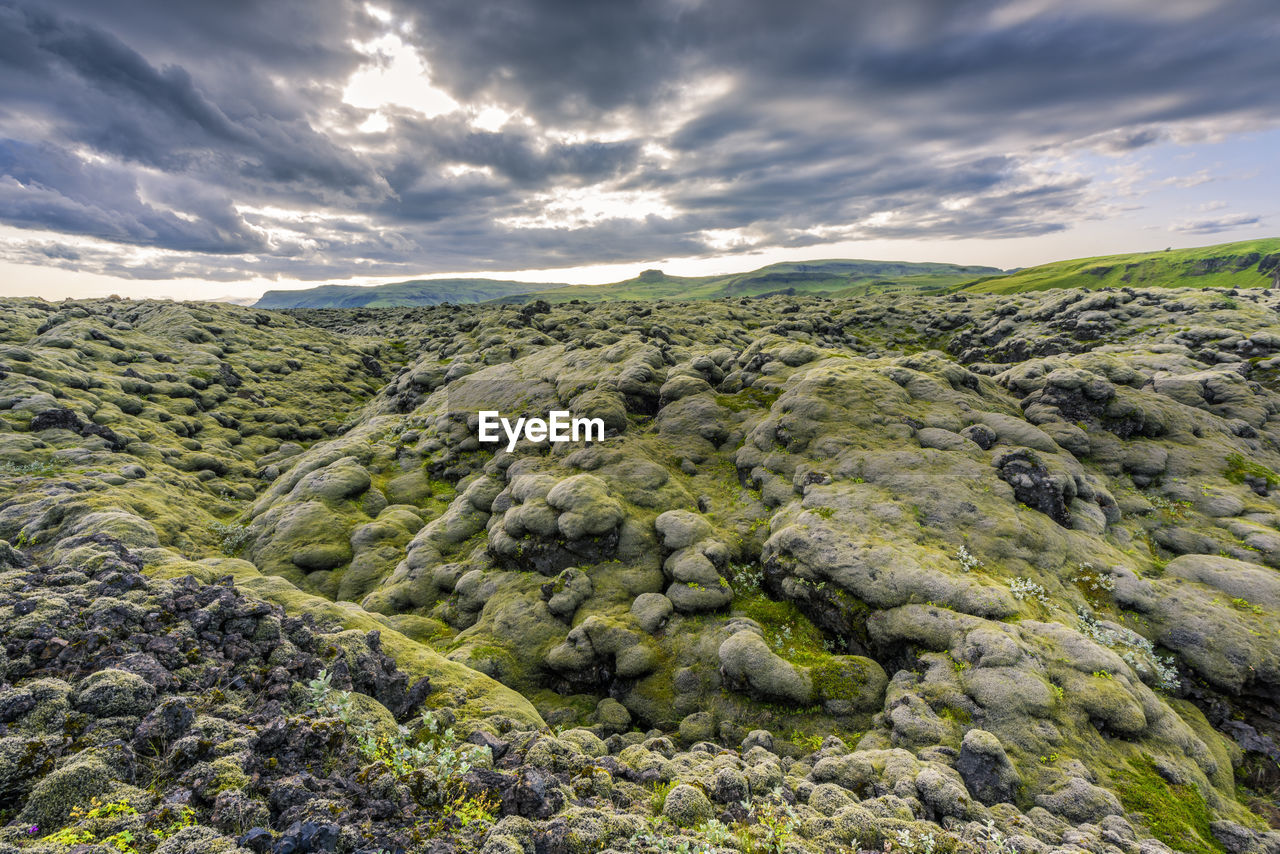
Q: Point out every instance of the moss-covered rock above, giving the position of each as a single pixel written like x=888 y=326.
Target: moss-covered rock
x=112 y=693
x=1049 y=516
x=73 y=785
x=687 y=806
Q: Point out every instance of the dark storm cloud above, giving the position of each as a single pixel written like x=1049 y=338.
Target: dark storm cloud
x=101 y=93
x=45 y=188
x=217 y=131
x=515 y=153
x=561 y=58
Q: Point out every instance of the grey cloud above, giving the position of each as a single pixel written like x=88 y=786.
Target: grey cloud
x=517 y=154
x=46 y=187
x=185 y=124
x=1215 y=226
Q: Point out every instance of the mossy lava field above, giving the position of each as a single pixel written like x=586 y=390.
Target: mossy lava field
x=909 y=573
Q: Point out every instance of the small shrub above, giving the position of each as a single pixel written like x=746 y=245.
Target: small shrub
x=1242 y=604
x=747 y=580
x=659 y=796
x=481 y=809
x=39 y=468
x=966 y=560
x=1138 y=652
x=1024 y=589
x=923 y=844
x=1094 y=584
x=232 y=538
x=438 y=760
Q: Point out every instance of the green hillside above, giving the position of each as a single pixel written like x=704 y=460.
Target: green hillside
x=416 y=292
x=818 y=278
x=1247 y=264
x=825 y=278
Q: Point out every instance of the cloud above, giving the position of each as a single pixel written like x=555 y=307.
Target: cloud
x=212 y=140
x=1215 y=226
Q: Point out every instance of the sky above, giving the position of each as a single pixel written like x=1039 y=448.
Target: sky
x=189 y=149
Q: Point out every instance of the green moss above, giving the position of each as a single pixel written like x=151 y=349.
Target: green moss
x=787 y=631
x=48 y=467
x=228 y=775
x=843 y=680
x=1177 y=815
x=748 y=398
x=1239 y=468
x=57 y=794
x=955 y=714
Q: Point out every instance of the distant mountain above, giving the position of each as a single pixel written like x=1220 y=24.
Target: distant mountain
x=415 y=292
x=819 y=278
x=1247 y=264
x=827 y=278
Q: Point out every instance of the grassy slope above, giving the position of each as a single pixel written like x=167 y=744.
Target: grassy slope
x=416 y=292
x=1225 y=265
x=1246 y=264
x=828 y=278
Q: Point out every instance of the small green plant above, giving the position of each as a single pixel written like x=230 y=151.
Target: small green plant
x=73 y=836
x=324 y=698
x=1242 y=604
x=38 y=468
x=747 y=580
x=232 y=538
x=186 y=817
x=714 y=832
x=808 y=743
x=1095 y=585
x=70 y=836
x=775 y=818
x=1138 y=652
x=966 y=560
x=658 y=837
x=1024 y=589
x=1172 y=510
x=98 y=809
x=1093 y=579
x=122 y=842
x=996 y=842
x=436 y=758
x=478 y=810
x=908 y=842
x=659 y=796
